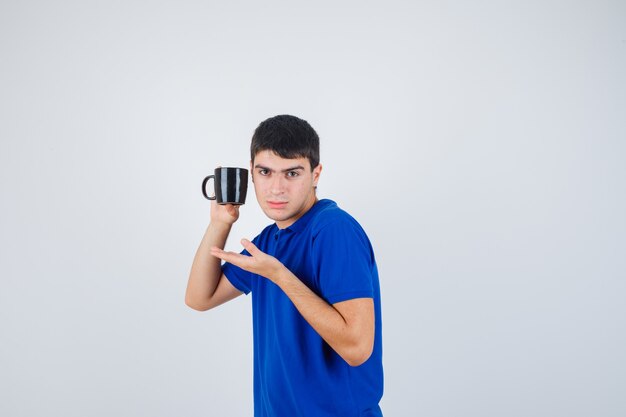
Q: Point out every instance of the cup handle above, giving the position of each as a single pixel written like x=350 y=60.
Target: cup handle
x=204 y=187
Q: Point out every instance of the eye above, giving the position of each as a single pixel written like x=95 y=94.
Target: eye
x=292 y=174
x=264 y=171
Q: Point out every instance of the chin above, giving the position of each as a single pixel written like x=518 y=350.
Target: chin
x=271 y=213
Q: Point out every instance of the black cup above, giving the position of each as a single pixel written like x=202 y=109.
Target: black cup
x=231 y=185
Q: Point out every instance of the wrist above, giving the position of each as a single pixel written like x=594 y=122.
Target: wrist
x=220 y=227
x=220 y=223
x=281 y=275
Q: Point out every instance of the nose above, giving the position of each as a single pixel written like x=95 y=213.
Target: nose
x=276 y=185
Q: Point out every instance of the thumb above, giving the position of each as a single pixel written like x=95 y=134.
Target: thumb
x=233 y=210
x=250 y=247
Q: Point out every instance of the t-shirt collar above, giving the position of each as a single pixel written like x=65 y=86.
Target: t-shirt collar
x=301 y=223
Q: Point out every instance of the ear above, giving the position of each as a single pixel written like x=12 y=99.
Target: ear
x=251 y=176
x=316 y=174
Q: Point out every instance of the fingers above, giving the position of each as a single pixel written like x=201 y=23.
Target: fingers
x=238 y=259
x=228 y=207
x=231 y=257
x=258 y=263
x=218 y=253
x=222 y=254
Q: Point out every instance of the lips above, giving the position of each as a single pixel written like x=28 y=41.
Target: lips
x=276 y=204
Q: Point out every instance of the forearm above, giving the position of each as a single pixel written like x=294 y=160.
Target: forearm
x=347 y=337
x=206 y=269
x=348 y=326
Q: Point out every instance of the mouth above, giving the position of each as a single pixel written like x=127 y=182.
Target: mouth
x=276 y=204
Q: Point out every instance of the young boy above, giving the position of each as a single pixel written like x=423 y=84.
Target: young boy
x=314 y=283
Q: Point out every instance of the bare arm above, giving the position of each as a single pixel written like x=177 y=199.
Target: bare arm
x=348 y=326
x=207 y=286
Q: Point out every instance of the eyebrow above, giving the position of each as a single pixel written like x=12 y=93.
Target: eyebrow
x=294 y=168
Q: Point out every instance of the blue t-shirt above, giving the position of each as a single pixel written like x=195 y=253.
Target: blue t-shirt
x=296 y=373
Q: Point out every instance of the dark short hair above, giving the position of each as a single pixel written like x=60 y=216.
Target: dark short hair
x=288 y=137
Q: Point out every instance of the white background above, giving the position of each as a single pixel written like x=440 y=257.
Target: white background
x=481 y=144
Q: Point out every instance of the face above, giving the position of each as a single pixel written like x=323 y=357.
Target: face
x=285 y=188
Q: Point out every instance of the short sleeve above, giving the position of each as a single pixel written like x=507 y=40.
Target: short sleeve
x=344 y=260
x=241 y=279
